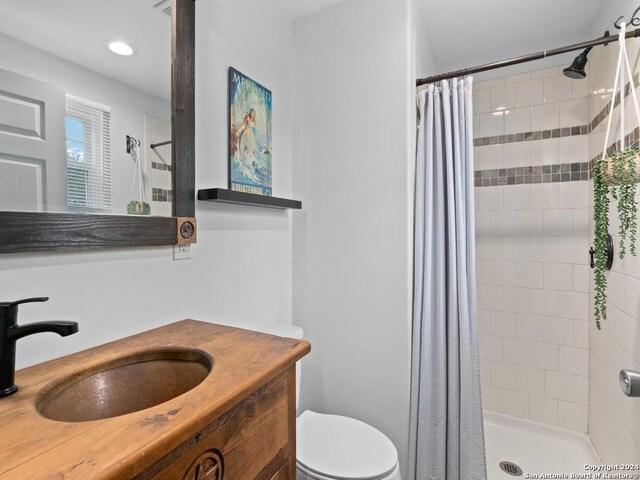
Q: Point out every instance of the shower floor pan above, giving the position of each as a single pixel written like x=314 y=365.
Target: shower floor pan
x=535 y=448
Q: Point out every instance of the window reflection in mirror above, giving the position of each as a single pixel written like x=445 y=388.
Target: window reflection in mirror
x=76 y=78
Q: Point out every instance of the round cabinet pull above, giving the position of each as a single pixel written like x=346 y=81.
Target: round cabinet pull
x=208 y=466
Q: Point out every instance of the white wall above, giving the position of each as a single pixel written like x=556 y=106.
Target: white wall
x=240 y=273
x=424 y=55
x=353 y=91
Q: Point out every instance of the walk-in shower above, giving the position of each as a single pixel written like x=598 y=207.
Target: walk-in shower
x=550 y=380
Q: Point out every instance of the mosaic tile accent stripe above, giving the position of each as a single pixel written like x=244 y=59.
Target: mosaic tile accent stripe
x=161 y=195
x=632 y=140
x=160 y=166
x=558 y=132
x=529 y=136
x=563 y=172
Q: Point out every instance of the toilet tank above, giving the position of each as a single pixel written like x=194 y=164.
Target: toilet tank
x=289 y=331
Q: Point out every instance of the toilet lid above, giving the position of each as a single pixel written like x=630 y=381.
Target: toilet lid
x=343 y=448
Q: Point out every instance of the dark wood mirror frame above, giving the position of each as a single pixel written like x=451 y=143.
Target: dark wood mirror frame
x=36 y=232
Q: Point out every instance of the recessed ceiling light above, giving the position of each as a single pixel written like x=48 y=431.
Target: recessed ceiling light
x=120 y=48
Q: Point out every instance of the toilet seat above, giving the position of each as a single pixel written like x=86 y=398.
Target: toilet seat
x=304 y=474
x=343 y=448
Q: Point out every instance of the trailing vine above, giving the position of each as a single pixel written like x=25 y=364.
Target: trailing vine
x=601 y=230
x=615 y=178
x=627 y=206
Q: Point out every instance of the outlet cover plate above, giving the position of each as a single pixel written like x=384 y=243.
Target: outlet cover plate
x=181 y=252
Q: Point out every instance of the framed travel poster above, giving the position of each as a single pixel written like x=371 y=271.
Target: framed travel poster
x=249 y=135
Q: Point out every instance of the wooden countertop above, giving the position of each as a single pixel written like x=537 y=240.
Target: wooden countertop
x=33 y=447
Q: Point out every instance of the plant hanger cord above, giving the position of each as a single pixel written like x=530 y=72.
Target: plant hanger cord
x=626 y=178
x=619 y=67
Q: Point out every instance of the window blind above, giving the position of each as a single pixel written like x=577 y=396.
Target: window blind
x=88 y=141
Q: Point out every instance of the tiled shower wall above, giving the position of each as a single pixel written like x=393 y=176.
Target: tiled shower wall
x=532 y=188
x=614 y=420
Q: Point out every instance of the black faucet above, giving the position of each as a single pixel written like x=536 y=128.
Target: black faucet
x=10 y=331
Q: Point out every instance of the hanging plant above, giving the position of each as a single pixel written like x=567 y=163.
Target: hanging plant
x=138 y=208
x=614 y=178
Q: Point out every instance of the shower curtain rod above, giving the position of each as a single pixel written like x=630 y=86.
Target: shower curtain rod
x=525 y=58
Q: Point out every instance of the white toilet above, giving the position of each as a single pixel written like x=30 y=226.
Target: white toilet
x=332 y=447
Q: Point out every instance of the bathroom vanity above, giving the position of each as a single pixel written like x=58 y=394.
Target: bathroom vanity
x=191 y=400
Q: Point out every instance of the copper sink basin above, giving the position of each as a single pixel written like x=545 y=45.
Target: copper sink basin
x=124 y=385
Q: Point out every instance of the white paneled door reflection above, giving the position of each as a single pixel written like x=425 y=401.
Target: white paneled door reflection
x=32 y=145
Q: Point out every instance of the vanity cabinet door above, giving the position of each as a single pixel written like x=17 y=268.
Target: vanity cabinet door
x=282 y=474
x=253 y=441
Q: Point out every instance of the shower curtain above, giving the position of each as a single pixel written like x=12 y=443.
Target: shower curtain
x=447 y=435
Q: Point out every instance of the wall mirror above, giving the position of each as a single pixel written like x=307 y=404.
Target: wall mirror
x=96 y=124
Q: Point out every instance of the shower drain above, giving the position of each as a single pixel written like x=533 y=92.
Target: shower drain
x=511 y=468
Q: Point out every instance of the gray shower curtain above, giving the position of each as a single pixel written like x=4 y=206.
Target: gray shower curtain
x=447 y=435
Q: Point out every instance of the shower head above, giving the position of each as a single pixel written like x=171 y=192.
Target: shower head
x=576 y=69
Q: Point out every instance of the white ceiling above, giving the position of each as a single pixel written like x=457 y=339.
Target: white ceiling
x=300 y=8
x=466 y=33
x=463 y=32
x=77 y=29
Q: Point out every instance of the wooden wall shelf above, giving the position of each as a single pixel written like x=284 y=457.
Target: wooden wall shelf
x=222 y=195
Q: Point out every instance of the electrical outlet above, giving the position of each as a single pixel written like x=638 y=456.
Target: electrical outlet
x=181 y=252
